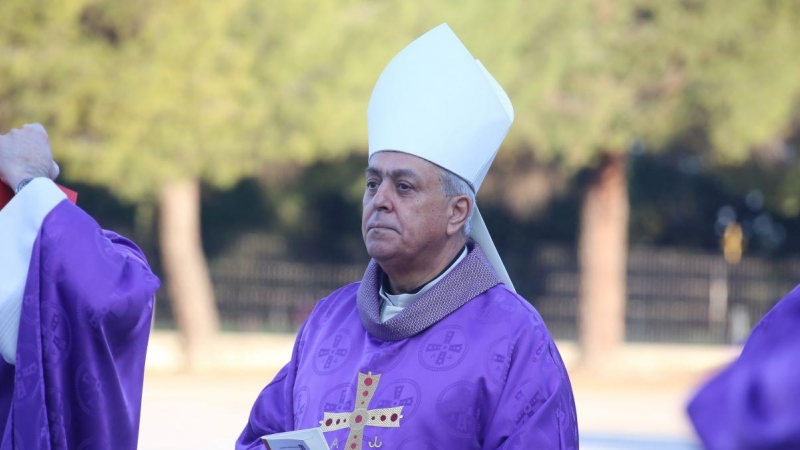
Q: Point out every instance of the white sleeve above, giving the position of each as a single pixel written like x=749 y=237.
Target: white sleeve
x=20 y=221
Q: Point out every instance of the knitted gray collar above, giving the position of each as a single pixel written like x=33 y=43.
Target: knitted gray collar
x=472 y=277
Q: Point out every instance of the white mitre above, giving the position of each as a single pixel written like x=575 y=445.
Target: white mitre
x=436 y=102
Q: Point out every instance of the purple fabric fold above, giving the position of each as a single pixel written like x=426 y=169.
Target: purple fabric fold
x=85 y=323
x=754 y=404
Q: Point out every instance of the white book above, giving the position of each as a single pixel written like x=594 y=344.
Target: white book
x=308 y=439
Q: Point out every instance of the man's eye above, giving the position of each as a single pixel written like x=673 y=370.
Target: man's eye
x=372 y=185
x=404 y=187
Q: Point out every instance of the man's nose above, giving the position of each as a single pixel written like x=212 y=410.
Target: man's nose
x=382 y=200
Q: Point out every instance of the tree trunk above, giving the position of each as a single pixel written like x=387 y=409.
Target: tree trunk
x=602 y=252
x=186 y=269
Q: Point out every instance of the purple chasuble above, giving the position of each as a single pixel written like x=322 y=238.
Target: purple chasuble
x=755 y=402
x=468 y=365
x=83 y=333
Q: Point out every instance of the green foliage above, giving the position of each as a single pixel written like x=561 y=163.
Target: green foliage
x=140 y=92
x=745 y=72
x=588 y=77
x=136 y=93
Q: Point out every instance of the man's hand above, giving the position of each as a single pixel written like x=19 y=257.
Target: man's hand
x=25 y=153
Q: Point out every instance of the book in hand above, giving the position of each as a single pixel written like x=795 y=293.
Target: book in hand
x=308 y=439
x=6 y=194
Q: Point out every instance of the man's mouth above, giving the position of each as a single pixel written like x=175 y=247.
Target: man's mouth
x=379 y=226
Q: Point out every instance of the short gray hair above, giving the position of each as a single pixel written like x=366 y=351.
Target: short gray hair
x=454 y=186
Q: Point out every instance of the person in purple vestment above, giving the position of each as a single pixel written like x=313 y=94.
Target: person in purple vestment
x=75 y=311
x=433 y=349
x=754 y=404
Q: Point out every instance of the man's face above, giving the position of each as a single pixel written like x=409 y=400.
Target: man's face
x=405 y=209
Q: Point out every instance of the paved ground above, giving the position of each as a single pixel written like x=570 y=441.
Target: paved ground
x=195 y=412
x=639 y=407
x=606 y=442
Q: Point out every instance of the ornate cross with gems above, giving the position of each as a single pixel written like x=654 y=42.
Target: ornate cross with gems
x=362 y=416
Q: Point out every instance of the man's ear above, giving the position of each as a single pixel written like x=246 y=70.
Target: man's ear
x=457 y=213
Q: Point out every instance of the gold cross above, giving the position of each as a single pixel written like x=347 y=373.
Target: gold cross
x=362 y=416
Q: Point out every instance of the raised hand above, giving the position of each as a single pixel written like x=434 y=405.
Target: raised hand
x=25 y=153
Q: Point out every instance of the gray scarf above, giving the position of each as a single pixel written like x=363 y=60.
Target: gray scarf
x=472 y=277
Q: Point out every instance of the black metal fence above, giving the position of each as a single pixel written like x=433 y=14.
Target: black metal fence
x=673 y=296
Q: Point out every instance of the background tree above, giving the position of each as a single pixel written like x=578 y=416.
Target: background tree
x=591 y=79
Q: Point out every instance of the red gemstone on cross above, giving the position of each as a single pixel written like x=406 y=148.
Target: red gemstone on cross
x=329 y=422
x=359 y=419
x=383 y=418
x=368 y=381
x=394 y=417
x=365 y=393
x=353 y=445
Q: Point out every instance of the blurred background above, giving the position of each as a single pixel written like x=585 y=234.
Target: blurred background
x=646 y=199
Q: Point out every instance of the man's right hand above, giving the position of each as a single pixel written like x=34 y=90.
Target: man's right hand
x=25 y=153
